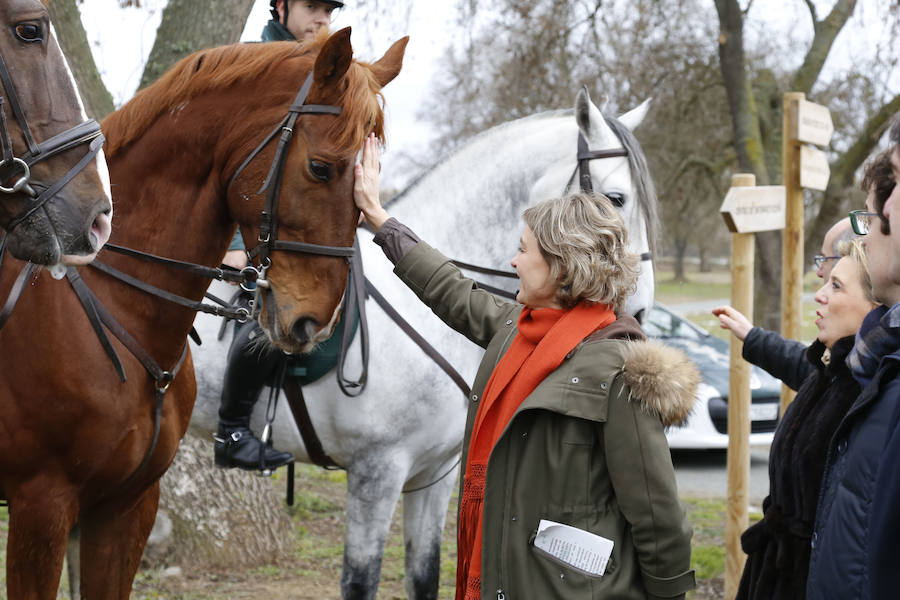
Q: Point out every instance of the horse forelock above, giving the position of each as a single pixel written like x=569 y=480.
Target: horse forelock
x=362 y=112
x=221 y=68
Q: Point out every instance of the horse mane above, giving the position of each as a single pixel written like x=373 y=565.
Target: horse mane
x=219 y=68
x=644 y=189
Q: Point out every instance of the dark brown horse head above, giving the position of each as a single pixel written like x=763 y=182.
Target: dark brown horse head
x=40 y=101
x=302 y=303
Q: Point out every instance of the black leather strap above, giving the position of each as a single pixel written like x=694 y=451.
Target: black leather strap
x=51 y=191
x=420 y=341
x=15 y=293
x=354 y=297
x=294 y=394
x=86 y=298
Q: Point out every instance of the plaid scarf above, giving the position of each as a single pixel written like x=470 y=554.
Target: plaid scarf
x=878 y=336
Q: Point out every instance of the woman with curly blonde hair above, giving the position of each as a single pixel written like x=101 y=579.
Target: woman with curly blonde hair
x=568 y=408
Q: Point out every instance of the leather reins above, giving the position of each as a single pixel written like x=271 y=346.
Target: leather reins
x=19 y=167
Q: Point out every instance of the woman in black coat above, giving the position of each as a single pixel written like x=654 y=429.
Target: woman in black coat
x=778 y=546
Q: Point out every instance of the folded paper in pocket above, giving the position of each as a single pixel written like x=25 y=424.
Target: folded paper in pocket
x=580 y=549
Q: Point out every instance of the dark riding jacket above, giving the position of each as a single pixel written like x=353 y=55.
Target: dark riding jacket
x=779 y=357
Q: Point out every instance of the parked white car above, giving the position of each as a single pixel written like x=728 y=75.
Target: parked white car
x=707 y=426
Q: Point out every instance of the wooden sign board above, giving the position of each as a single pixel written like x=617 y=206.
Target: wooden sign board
x=752 y=209
x=812 y=124
x=814 y=169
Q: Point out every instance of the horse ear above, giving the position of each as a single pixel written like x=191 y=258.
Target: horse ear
x=389 y=65
x=589 y=118
x=636 y=115
x=334 y=58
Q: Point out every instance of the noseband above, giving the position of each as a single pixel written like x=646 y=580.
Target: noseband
x=583 y=170
x=20 y=166
x=268 y=240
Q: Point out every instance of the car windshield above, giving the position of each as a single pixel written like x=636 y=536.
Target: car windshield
x=661 y=323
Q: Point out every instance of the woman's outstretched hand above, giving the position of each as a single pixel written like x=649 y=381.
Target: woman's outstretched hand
x=365 y=184
x=729 y=318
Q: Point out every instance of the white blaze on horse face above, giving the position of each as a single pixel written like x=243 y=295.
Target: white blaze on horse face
x=102 y=227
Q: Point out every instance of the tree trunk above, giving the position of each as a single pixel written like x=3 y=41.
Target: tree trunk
x=211 y=517
x=191 y=25
x=680 y=249
x=705 y=267
x=66 y=19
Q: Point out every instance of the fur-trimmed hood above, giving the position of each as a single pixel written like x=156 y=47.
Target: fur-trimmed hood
x=663 y=379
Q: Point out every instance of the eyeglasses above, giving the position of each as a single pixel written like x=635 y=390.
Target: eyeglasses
x=860 y=221
x=819 y=260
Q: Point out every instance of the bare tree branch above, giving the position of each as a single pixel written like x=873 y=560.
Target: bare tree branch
x=826 y=32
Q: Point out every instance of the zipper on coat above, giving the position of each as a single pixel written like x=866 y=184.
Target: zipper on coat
x=501 y=595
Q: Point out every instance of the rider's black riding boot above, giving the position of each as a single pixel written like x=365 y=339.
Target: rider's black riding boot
x=248 y=370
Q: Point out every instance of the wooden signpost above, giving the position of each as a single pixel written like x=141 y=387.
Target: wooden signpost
x=802 y=167
x=746 y=210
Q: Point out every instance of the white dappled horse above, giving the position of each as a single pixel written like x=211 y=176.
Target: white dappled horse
x=405 y=431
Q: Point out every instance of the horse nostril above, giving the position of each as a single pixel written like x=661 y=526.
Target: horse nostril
x=303 y=329
x=639 y=315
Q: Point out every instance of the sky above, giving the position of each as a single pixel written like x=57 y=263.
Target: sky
x=121 y=40
x=130 y=33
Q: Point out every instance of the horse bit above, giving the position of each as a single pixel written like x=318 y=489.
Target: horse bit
x=20 y=166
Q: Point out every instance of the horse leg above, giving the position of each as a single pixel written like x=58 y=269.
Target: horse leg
x=372 y=492
x=424 y=514
x=40 y=516
x=113 y=536
x=73 y=561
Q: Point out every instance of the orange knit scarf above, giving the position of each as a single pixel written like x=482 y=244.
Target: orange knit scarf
x=545 y=336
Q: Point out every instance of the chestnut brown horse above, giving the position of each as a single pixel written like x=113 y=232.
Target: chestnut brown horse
x=76 y=443
x=54 y=187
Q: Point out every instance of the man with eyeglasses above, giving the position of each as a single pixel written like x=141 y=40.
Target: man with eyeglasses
x=885 y=521
x=782 y=358
x=853 y=546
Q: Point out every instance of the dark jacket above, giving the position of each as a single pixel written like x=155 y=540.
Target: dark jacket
x=844 y=537
x=781 y=358
x=586 y=448
x=778 y=546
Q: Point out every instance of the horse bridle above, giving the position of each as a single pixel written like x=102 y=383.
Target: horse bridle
x=267 y=240
x=583 y=170
x=20 y=166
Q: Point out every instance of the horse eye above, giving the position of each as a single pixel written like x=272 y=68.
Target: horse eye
x=29 y=32
x=616 y=198
x=320 y=170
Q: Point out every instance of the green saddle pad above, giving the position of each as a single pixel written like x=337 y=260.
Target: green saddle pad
x=308 y=368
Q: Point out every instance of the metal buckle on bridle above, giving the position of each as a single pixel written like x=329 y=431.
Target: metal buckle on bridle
x=22 y=183
x=164 y=381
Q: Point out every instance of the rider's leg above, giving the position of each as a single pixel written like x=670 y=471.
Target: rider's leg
x=250 y=366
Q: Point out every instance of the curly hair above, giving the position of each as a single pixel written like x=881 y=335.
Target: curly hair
x=584 y=241
x=855 y=251
x=879 y=177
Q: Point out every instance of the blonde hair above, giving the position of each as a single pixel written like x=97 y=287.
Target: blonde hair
x=854 y=250
x=584 y=241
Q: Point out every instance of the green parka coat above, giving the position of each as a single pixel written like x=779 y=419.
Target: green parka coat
x=586 y=448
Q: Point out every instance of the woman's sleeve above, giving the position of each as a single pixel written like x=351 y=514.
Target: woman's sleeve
x=457 y=300
x=643 y=478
